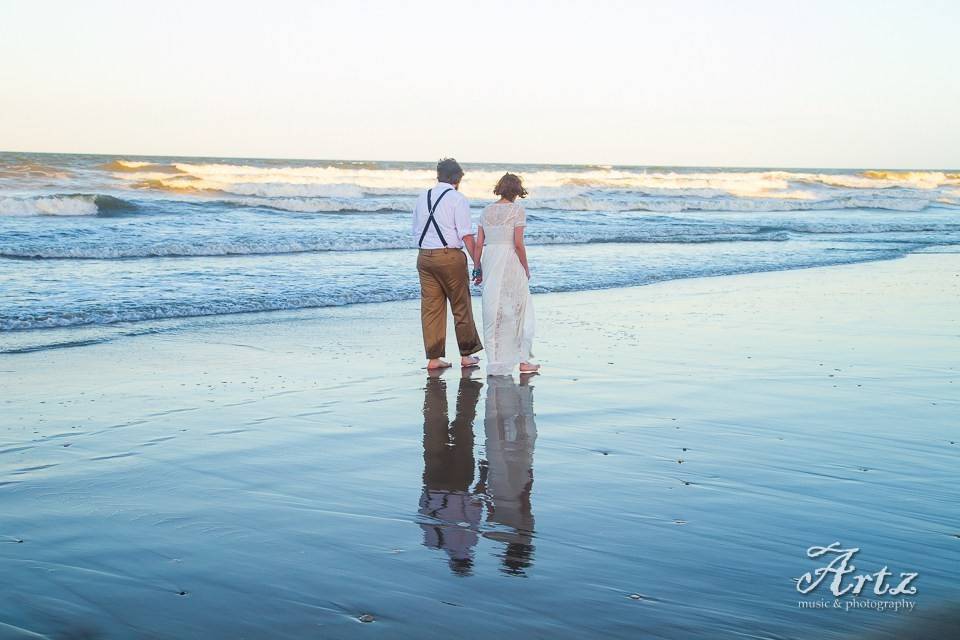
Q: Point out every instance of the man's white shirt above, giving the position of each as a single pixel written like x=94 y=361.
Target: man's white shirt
x=452 y=215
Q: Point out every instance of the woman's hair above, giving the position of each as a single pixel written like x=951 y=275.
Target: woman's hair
x=510 y=186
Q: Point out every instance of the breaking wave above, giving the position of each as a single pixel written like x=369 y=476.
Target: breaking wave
x=478 y=183
x=63 y=205
x=361 y=187
x=131 y=166
x=603 y=203
x=325 y=205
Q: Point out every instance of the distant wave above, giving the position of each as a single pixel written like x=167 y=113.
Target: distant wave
x=325 y=205
x=351 y=199
x=32 y=170
x=935 y=178
x=268 y=246
x=676 y=205
x=598 y=202
x=323 y=189
x=131 y=166
x=77 y=204
x=479 y=183
x=288 y=190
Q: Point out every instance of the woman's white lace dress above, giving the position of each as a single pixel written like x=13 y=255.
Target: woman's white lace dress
x=508 y=321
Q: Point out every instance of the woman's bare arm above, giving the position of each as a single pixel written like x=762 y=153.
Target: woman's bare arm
x=521 y=248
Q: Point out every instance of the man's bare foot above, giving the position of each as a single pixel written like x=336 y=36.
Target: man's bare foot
x=437 y=363
x=469 y=361
x=526 y=367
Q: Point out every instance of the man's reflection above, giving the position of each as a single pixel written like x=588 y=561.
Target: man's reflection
x=453 y=507
x=511 y=434
x=452 y=503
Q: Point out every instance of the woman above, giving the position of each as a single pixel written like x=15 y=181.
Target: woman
x=502 y=256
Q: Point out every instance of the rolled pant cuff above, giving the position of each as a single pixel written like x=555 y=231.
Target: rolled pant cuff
x=471 y=350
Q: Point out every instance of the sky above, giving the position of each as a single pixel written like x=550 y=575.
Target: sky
x=869 y=84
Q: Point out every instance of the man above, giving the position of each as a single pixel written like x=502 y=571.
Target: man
x=441 y=228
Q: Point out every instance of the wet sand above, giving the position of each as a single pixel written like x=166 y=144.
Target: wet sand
x=298 y=475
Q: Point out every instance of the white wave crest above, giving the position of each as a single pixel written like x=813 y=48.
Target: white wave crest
x=288 y=190
x=77 y=205
x=677 y=205
x=477 y=184
x=326 y=205
x=554 y=184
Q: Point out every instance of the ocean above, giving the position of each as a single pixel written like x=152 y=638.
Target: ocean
x=108 y=243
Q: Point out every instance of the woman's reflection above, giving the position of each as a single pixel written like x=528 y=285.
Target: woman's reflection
x=511 y=434
x=452 y=503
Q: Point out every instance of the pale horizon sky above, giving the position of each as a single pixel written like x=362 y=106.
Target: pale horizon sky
x=696 y=83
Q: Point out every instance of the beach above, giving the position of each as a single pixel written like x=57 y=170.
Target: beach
x=291 y=474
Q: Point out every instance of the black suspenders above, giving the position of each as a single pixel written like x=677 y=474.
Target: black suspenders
x=431 y=208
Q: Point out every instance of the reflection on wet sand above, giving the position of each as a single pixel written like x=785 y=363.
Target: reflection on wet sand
x=452 y=502
x=454 y=509
x=511 y=434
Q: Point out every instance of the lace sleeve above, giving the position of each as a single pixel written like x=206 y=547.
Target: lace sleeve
x=520 y=218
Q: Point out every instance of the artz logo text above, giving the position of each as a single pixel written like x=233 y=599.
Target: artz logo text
x=841 y=566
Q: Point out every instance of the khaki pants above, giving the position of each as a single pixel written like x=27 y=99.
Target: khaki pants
x=443 y=276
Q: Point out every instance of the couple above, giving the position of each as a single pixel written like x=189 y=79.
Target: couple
x=442 y=227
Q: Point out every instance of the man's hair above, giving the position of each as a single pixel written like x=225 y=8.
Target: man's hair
x=510 y=186
x=449 y=171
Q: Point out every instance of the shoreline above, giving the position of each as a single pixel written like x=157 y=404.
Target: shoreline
x=685 y=444
x=15 y=341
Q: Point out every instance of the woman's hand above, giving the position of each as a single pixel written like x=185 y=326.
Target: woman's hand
x=528 y=272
